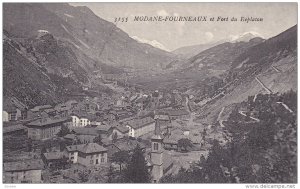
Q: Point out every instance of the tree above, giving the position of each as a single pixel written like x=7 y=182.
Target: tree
x=137 y=170
x=184 y=143
x=83 y=176
x=63 y=131
x=120 y=157
x=98 y=139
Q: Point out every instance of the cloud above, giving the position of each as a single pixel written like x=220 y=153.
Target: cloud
x=208 y=36
x=162 y=12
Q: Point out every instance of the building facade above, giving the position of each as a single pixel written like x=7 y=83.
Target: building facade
x=139 y=127
x=45 y=128
x=23 y=172
x=90 y=154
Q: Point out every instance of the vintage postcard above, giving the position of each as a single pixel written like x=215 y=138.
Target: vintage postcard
x=149 y=93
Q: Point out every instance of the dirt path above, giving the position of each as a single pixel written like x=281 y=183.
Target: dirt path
x=285 y=106
x=243 y=114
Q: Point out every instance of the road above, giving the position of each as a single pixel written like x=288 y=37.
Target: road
x=219 y=117
x=285 y=106
x=243 y=114
x=263 y=85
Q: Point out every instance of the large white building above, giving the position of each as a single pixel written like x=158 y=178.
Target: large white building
x=80 y=120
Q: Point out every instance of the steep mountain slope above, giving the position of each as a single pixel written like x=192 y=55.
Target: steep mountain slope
x=190 y=51
x=193 y=50
x=268 y=67
x=24 y=78
x=65 y=55
x=97 y=38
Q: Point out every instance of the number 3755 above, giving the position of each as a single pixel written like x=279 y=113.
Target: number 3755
x=121 y=19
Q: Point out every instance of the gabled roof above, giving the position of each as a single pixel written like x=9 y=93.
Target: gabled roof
x=42 y=107
x=85 y=131
x=177 y=112
x=127 y=144
x=140 y=122
x=86 y=148
x=122 y=129
x=48 y=121
x=54 y=155
x=24 y=165
x=13 y=128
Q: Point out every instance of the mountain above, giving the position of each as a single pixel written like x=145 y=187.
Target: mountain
x=97 y=38
x=153 y=43
x=246 y=37
x=268 y=67
x=217 y=59
x=67 y=49
x=190 y=51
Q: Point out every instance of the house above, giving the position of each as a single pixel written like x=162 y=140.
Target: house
x=90 y=154
x=140 y=126
x=123 y=144
x=13 y=110
x=170 y=144
x=118 y=131
x=177 y=114
x=23 y=171
x=83 y=139
x=82 y=119
x=46 y=128
x=15 y=130
x=50 y=112
x=88 y=105
x=37 y=110
x=54 y=159
x=84 y=131
x=14 y=136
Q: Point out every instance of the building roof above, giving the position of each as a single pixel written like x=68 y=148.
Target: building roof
x=139 y=123
x=42 y=107
x=87 y=148
x=54 y=155
x=13 y=128
x=48 y=121
x=128 y=144
x=122 y=129
x=49 y=110
x=85 y=131
x=177 y=112
x=162 y=117
x=24 y=165
x=82 y=115
x=104 y=128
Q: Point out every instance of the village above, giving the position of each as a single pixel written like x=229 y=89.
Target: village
x=61 y=143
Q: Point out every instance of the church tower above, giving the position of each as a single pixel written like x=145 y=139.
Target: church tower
x=157 y=153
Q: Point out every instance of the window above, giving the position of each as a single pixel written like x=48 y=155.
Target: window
x=155 y=146
x=97 y=161
x=91 y=162
x=102 y=160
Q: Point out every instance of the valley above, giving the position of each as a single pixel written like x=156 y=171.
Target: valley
x=83 y=99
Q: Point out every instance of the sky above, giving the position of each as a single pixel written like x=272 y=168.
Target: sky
x=277 y=17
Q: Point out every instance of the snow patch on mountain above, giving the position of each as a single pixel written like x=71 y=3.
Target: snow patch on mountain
x=246 y=37
x=153 y=43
